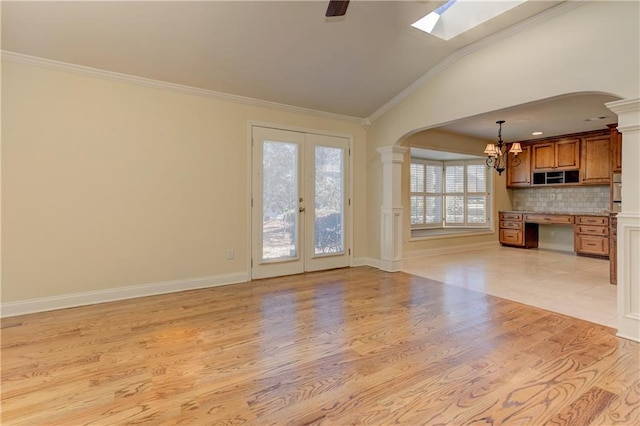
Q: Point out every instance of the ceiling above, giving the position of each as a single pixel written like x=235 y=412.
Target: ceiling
x=284 y=52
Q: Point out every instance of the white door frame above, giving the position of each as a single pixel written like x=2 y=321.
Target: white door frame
x=349 y=186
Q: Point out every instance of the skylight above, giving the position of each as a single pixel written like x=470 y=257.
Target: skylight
x=458 y=16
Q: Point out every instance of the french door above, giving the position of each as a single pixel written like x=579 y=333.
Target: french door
x=300 y=198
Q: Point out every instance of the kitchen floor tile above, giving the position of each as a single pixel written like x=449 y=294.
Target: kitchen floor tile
x=554 y=280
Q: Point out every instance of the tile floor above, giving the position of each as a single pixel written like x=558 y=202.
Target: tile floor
x=554 y=280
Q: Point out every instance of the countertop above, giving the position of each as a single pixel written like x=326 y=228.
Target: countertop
x=603 y=214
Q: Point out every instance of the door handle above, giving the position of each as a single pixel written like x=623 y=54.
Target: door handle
x=301 y=209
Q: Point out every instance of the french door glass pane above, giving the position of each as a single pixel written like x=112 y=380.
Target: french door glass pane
x=329 y=205
x=279 y=200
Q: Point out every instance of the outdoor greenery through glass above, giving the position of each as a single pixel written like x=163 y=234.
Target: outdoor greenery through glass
x=279 y=200
x=329 y=202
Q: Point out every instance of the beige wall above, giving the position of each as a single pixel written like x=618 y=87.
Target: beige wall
x=443 y=141
x=593 y=48
x=108 y=184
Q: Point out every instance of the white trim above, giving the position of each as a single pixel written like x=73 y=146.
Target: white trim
x=158 y=84
x=29 y=306
x=471 y=48
x=628 y=276
x=361 y=261
x=450 y=250
x=390 y=265
x=469 y=232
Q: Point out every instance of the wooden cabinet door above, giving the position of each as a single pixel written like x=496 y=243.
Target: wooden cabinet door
x=520 y=175
x=586 y=244
x=567 y=154
x=543 y=156
x=616 y=151
x=596 y=164
x=511 y=237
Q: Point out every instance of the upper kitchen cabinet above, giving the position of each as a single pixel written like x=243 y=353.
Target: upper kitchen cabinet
x=596 y=164
x=519 y=174
x=562 y=154
x=616 y=149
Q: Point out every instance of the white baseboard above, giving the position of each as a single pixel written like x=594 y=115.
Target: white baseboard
x=364 y=261
x=383 y=265
x=449 y=250
x=43 y=304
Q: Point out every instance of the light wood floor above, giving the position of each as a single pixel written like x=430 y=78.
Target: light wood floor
x=350 y=346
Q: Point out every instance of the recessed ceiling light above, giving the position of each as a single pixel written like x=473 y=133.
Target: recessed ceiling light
x=536 y=133
x=595 y=118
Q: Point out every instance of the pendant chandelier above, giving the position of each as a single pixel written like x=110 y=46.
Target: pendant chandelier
x=497 y=152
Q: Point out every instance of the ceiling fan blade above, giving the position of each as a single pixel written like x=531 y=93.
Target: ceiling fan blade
x=337 y=8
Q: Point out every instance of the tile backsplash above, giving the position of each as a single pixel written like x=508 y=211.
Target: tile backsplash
x=576 y=199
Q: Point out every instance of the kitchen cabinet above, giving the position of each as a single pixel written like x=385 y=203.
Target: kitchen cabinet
x=514 y=232
x=562 y=154
x=592 y=236
x=520 y=175
x=596 y=160
x=553 y=219
x=616 y=149
x=591 y=232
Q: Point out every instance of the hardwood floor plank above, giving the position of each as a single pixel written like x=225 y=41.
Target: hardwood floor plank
x=583 y=410
x=350 y=346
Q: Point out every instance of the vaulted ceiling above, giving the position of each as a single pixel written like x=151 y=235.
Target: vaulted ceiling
x=284 y=52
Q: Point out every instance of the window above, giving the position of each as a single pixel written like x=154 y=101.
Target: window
x=455 y=17
x=426 y=193
x=449 y=194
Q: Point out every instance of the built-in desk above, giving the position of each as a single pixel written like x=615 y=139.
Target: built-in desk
x=591 y=232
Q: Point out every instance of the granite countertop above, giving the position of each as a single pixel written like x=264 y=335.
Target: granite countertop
x=604 y=212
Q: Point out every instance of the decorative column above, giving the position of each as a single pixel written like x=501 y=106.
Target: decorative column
x=628 y=112
x=391 y=214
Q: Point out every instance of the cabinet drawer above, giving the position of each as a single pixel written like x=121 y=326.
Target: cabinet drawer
x=592 y=220
x=586 y=244
x=510 y=224
x=554 y=218
x=511 y=237
x=592 y=230
x=510 y=216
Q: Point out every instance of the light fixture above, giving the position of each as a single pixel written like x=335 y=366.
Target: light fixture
x=497 y=152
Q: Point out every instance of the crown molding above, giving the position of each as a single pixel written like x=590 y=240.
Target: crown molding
x=180 y=88
x=474 y=47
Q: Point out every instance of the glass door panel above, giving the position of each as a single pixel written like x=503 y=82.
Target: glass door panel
x=277 y=189
x=329 y=201
x=327 y=220
x=279 y=200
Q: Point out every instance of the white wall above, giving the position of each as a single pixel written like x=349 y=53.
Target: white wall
x=592 y=48
x=107 y=184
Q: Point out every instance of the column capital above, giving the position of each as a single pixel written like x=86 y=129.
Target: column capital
x=628 y=111
x=392 y=154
